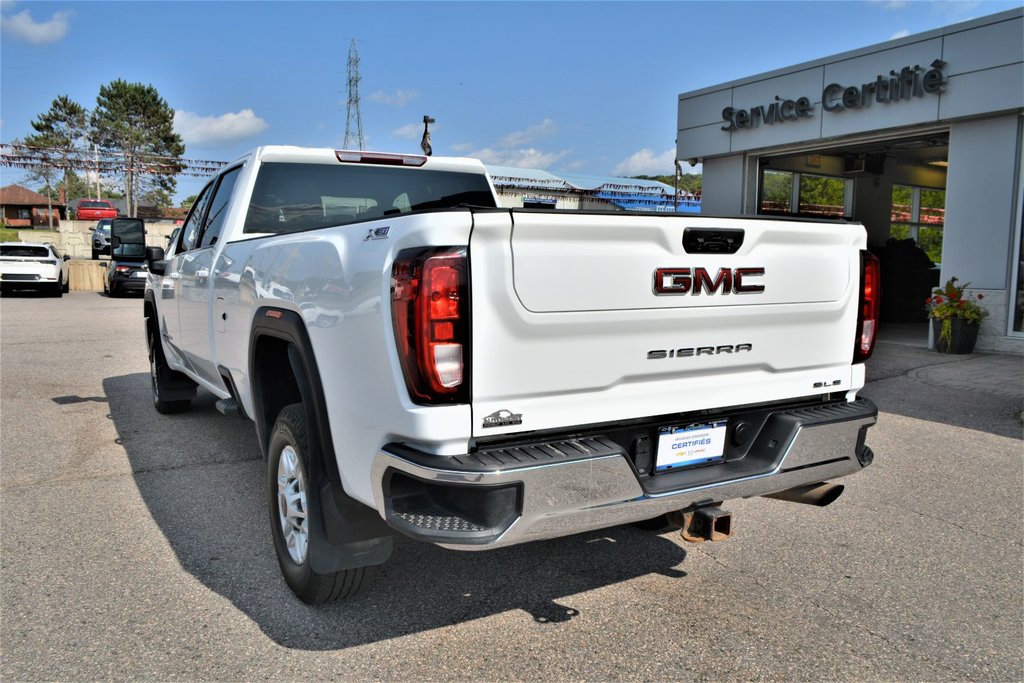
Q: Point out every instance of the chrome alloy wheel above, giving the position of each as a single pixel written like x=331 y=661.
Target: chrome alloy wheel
x=291 y=504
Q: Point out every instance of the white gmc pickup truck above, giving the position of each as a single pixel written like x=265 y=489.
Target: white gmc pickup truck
x=418 y=360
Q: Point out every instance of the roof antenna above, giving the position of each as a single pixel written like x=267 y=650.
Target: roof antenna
x=425 y=142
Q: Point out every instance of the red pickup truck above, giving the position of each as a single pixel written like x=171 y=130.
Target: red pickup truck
x=95 y=209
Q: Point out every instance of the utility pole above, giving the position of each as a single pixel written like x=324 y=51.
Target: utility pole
x=352 y=115
x=96 y=160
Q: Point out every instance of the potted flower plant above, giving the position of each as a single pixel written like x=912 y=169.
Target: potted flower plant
x=955 y=317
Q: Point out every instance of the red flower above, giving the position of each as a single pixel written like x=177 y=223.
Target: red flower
x=938 y=299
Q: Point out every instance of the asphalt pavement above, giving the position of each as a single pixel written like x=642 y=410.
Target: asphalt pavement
x=137 y=546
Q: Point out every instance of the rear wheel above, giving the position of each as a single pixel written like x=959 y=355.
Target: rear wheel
x=58 y=290
x=67 y=286
x=163 y=380
x=290 y=482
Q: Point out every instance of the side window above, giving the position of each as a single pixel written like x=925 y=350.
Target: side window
x=218 y=206
x=190 y=230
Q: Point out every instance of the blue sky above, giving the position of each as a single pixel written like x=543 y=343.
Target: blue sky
x=586 y=87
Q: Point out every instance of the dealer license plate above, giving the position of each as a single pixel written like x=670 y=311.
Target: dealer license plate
x=139 y=273
x=688 y=445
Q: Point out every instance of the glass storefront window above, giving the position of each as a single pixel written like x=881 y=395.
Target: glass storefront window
x=919 y=213
x=822 y=196
x=776 y=192
x=788 y=193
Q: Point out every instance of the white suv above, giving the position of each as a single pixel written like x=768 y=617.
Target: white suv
x=30 y=265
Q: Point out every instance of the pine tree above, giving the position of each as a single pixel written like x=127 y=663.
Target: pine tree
x=58 y=138
x=131 y=119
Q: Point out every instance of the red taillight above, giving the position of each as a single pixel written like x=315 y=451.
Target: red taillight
x=430 y=314
x=122 y=269
x=870 y=306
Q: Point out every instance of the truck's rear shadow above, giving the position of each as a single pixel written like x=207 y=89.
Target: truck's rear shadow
x=202 y=478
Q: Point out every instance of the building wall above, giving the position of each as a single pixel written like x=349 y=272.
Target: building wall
x=980 y=104
x=722 y=186
x=983 y=66
x=980 y=201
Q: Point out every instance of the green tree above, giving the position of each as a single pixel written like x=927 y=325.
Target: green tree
x=777 y=190
x=156 y=197
x=688 y=182
x=188 y=201
x=58 y=138
x=131 y=119
x=74 y=187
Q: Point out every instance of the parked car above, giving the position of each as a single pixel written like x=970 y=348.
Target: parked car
x=125 y=275
x=33 y=266
x=101 y=238
x=95 y=209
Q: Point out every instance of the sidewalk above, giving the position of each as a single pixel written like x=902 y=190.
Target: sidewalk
x=902 y=350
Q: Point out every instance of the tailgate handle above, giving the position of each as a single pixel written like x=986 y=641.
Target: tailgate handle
x=712 y=240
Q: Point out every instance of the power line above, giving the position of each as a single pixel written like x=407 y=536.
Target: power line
x=106 y=162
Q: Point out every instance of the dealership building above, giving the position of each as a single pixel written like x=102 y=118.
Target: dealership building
x=918 y=138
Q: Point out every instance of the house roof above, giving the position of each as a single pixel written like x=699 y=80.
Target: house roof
x=16 y=195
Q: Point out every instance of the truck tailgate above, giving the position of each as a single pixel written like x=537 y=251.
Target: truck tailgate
x=568 y=328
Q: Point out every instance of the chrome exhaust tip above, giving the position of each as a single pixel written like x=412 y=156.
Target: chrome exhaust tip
x=820 y=494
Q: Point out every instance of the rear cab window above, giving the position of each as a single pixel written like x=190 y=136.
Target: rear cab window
x=291 y=197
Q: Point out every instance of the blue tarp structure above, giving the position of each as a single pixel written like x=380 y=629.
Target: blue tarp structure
x=631 y=194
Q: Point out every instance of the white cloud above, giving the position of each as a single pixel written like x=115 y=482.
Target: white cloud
x=574 y=165
x=518 y=158
x=413 y=131
x=214 y=130
x=513 y=149
x=891 y=4
x=523 y=137
x=646 y=162
x=24 y=27
x=900 y=34
x=400 y=98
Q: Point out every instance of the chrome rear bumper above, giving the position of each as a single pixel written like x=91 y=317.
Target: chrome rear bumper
x=506 y=496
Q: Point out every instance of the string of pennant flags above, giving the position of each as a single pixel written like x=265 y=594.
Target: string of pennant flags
x=29 y=157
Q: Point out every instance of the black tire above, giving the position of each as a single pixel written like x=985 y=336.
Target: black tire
x=95 y=255
x=290 y=431
x=162 y=379
x=67 y=286
x=57 y=291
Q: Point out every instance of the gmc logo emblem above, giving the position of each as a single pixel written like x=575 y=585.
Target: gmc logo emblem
x=696 y=280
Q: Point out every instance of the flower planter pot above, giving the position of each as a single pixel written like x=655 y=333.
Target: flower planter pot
x=962 y=338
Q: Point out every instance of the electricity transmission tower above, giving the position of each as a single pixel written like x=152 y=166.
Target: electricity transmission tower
x=353 y=116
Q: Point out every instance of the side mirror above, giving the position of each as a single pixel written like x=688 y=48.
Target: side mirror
x=155 y=260
x=66 y=257
x=127 y=238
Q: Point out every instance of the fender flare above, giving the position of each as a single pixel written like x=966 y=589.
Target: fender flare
x=355 y=534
